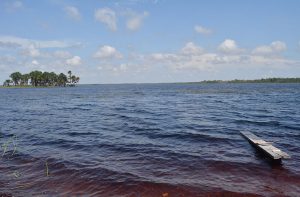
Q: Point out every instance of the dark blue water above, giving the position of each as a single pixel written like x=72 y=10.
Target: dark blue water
x=148 y=140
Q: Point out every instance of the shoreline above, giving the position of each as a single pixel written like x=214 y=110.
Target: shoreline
x=236 y=81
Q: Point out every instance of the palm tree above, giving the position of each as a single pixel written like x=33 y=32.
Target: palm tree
x=46 y=79
x=62 y=79
x=24 y=79
x=53 y=79
x=77 y=79
x=70 y=76
x=36 y=77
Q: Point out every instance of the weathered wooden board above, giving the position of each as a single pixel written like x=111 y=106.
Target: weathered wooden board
x=266 y=147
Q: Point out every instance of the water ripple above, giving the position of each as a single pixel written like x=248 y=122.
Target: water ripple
x=148 y=139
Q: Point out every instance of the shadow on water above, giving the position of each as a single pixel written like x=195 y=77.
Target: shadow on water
x=277 y=164
x=274 y=164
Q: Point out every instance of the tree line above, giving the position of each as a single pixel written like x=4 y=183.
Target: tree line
x=266 y=80
x=39 y=78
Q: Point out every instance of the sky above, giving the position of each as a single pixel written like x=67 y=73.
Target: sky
x=151 y=41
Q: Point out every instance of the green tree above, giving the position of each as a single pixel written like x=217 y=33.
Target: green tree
x=46 y=79
x=24 y=79
x=7 y=82
x=16 y=77
x=62 y=79
x=36 y=78
x=76 y=80
x=53 y=79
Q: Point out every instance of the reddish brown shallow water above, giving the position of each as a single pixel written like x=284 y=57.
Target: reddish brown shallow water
x=148 y=140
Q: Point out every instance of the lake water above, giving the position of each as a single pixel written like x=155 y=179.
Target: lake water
x=148 y=140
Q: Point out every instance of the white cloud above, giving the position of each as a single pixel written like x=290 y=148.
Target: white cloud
x=135 y=20
x=164 y=57
x=9 y=44
x=273 y=48
x=23 y=42
x=35 y=62
x=62 y=54
x=118 y=69
x=191 y=48
x=193 y=57
x=202 y=30
x=31 y=51
x=107 y=52
x=74 y=61
x=73 y=12
x=278 y=46
x=108 y=17
x=229 y=46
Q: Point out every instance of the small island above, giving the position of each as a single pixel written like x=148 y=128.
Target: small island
x=41 y=79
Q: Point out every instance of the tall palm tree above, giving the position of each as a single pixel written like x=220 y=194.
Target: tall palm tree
x=70 y=76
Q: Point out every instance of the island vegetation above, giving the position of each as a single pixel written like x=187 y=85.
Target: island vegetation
x=265 y=80
x=41 y=79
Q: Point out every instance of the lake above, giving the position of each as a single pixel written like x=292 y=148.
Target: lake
x=148 y=140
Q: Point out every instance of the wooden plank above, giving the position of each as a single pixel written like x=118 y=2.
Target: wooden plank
x=266 y=147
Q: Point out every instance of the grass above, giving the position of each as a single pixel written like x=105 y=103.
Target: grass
x=12 y=140
x=6 y=146
x=47 y=169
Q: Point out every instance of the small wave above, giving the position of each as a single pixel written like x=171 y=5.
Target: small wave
x=73 y=108
x=259 y=123
x=72 y=134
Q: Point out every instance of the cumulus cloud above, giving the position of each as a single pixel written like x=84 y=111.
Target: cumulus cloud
x=108 y=17
x=191 y=56
x=229 y=46
x=191 y=48
x=35 y=62
x=273 y=48
x=135 y=20
x=202 y=30
x=107 y=52
x=74 y=61
x=73 y=12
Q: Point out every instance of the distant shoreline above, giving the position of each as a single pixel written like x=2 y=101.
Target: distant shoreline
x=266 y=80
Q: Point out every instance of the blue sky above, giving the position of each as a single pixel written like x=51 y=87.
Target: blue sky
x=151 y=40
